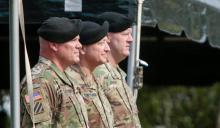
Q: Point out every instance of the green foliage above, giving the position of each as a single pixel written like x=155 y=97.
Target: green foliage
x=179 y=106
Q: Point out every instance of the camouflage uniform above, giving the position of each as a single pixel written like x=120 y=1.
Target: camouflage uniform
x=57 y=103
x=119 y=95
x=98 y=108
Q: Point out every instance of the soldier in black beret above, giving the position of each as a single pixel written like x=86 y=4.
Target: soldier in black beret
x=61 y=36
x=117 y=22
x=93 y=53
x=59 y=29
x=57 y=103
x=120 y=96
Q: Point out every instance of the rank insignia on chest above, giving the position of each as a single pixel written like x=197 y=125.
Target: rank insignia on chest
x=36 y=96
x=113 y=82
x=91 y=95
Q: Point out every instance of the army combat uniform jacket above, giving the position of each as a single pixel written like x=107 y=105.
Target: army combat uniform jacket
x=119 y=95
x=98 y=108
x=57 y=102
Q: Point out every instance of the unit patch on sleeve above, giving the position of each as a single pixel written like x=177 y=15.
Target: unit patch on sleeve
x=38 y=108
x=36 y=96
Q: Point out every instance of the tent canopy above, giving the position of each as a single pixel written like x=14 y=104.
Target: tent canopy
x=199 y=19
x=38 y=10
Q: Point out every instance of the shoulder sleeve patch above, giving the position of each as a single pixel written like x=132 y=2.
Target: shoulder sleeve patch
x=36 y=96
x=42 y=110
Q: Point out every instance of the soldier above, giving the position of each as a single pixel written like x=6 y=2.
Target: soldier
x=93 y=53
x=57 y=103
x=115 y=87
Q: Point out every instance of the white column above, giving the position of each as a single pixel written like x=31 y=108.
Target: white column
x=14 y=63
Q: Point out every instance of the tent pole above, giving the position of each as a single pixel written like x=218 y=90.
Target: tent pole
x=131 y=59
x=14 y=63
x=140 y=3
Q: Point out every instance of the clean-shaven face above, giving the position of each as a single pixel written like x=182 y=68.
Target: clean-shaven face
x=97 y=53
x=120 y=43
x=69 y=51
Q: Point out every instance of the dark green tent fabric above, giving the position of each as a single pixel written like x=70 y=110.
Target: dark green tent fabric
x=38 y=10
x=4 y=11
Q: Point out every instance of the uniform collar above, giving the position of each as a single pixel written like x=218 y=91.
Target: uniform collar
x=76 y=73
x=116 y=72
x=60 y=74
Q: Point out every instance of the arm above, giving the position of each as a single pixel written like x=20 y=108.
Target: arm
x=42 y=109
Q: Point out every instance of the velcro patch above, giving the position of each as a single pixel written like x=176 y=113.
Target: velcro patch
x=38 y=108
x=89 y=95
x=36 y=96
x=36 y=85
x=113 y=82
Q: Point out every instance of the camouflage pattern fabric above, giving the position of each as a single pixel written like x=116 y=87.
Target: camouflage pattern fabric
x=98 y=108
x=57 y=103
x=119 y=95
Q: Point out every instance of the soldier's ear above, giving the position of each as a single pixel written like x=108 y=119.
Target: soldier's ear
x=109 y=36
x=53 y=46
x=82 y=50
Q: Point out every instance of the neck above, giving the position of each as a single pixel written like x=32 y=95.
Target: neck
x=113 y=60
x=59 y=65
x=85 y=70
x=86 y=65
x=54 y=60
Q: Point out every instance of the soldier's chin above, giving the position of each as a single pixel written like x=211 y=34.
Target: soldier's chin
x=126 y=53
x=104 y=61
x=76 y=61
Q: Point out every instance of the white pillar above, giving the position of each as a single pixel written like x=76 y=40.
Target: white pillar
x=14 y=63
x=131 y=59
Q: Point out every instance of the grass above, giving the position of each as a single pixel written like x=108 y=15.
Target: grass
x=179 y=106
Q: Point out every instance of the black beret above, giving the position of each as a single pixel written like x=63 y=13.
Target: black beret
x=117 y=22
x=59 y=29
x=92 y=32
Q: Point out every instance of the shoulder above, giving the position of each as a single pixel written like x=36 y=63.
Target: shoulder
x=43 y=69
x=41 y=75
x=122 y=72
x=37 y=73
x=40 y=70
x=101 y=70
x=102 y=73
